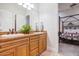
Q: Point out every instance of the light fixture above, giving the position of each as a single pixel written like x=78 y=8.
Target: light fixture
x=24 y=5
x=27 y=3
x=29 y=6
x=32 y=6
x=20 y=3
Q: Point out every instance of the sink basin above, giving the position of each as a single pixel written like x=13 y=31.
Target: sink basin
x=11 y=35
x=38 y=32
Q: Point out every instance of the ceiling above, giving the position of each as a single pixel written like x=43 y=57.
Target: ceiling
x=66 y=6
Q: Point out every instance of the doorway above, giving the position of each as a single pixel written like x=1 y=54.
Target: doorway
x=68 y=29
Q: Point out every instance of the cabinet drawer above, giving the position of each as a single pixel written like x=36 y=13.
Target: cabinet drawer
x=33 y=37
x=42 y=37
x=33 y=45
x=22 y=50
x=34 y=52
x=16 y=42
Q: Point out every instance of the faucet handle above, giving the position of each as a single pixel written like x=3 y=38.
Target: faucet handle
x=9 y=31
x=13 y=30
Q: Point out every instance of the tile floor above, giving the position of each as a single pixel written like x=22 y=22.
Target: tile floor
x=64 y=50
x=49 y=53
x=68 y=49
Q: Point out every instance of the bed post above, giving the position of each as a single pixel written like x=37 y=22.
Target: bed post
x=59 y=33
x=59 y=25
x=62 y=27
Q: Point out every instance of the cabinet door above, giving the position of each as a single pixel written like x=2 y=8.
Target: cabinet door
x=22 y=50
x=33 y=45
x=34 y=48
x=27 y=50
x=40 y=46
x=10 y=52
x=45 y=41
x=34 y=52
x=44 y=44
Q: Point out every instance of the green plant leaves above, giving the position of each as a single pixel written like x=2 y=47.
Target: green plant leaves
x=25 y=28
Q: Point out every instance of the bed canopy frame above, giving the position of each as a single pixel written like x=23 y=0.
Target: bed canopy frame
x=65 y=20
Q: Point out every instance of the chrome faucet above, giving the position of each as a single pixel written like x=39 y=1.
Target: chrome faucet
x=11 y=31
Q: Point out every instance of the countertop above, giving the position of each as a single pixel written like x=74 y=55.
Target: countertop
x=4 y=39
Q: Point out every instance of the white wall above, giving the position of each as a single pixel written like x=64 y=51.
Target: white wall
x=49 y=16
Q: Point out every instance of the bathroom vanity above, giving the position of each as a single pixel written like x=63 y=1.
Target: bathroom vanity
x=32 y=44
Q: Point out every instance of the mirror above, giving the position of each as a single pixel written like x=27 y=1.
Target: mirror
x=9 y=20
x=21 y=20
x=6 y=20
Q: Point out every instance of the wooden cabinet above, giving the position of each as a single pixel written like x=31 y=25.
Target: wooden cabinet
x=31 y=45
x=40 y=45
x=22 y=50
x=27 y=50
x=42 y=42
x=34 y=52
x=19 y=47
x=10 y=52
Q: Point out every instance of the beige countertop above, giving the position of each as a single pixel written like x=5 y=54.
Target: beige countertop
x=9 y=37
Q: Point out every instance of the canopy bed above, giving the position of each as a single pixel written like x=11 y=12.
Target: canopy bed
x=69 y=29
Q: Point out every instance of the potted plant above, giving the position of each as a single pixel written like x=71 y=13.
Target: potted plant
x=25 y=29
